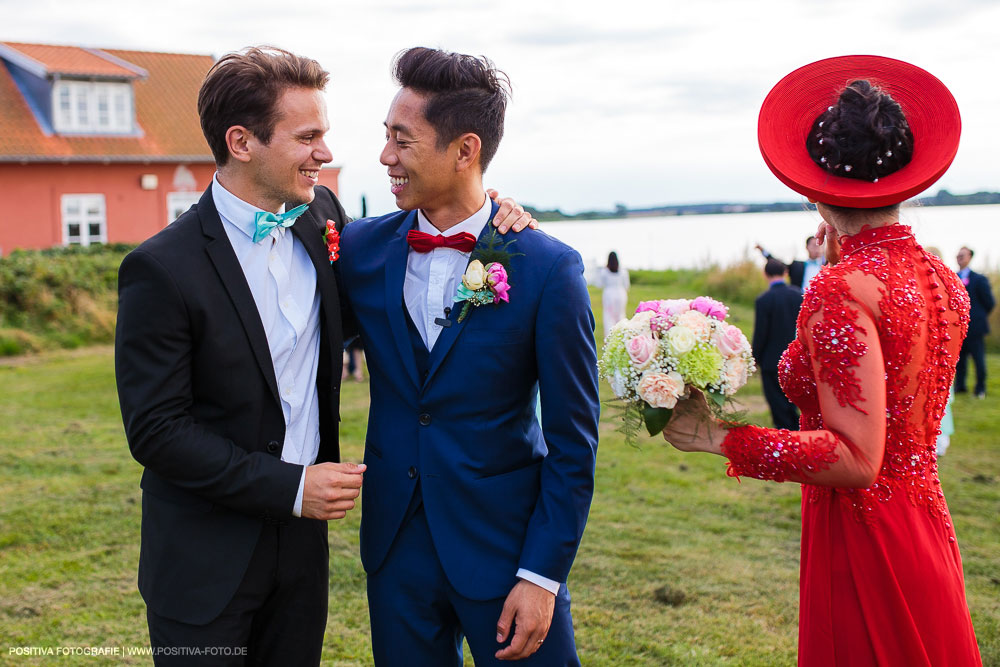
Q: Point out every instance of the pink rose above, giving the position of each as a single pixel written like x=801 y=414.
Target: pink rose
x=661 y=390
x=697 y=322
x=641 y=350
x=710 y=307
x=735 y=371
x=730 y=341
x=496 y=277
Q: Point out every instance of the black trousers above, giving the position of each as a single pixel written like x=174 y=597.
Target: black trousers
x=278 y=615
x=975 y=347
x=783 y=411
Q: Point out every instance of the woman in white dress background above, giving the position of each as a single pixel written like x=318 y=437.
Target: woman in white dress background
x=613 y=279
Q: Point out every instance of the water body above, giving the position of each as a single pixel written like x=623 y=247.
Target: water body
x=698 y=241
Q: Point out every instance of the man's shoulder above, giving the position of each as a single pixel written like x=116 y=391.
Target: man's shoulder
x=537 y=245
x=373 y=226
x=176 y=238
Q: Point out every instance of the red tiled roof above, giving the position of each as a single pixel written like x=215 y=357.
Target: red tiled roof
x=165 y=106
x=72 y=60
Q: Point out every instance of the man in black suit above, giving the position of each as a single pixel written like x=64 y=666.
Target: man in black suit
x=228 y=361
x=775 y=312
x=981 y=298
x=799 y=272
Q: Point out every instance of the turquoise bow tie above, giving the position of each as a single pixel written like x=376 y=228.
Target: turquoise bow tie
x=267 y=221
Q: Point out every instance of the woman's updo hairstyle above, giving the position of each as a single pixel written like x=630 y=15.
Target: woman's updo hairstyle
x=864 y=136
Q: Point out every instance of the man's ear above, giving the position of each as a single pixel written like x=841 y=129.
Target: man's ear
x=466 y=148
x=238 y=140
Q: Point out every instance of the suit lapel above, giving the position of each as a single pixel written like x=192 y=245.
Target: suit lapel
x=220 y=251
x=312 y=241
x=450 y=334
x=395 y=273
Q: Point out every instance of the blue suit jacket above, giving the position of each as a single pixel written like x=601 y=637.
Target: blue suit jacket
x=499 y=492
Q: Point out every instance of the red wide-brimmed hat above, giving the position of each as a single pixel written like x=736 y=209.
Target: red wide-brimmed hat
x=792 y=106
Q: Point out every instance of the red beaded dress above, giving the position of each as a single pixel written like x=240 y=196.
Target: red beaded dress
x=878 y=338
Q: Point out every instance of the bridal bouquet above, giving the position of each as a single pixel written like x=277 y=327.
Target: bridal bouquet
x=652 y=359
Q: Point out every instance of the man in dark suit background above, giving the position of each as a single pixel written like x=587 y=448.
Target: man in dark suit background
x=227 y=355
x=974 y=345
x=801 y=273
x=775 y=312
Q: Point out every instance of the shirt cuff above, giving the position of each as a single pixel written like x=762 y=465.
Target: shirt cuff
x=539 y=580
x=297 y=509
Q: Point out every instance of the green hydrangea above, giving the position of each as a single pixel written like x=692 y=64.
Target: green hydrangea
x=702 y=365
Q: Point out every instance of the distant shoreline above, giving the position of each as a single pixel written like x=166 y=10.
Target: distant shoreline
x=942 y=198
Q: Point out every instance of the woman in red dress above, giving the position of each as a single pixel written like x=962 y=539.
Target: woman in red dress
x=878 y=337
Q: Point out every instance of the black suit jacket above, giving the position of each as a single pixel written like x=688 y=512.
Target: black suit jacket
x=200 y=405
x=981 y=299
x=775 y=312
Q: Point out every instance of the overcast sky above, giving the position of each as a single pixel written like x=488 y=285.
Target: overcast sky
x=631 y=101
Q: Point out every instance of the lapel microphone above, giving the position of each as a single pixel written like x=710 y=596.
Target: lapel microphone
x=443 y=321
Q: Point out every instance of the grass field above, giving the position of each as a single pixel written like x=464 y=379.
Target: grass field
x=679 y=565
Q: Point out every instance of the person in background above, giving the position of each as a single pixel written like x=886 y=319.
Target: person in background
x=800 y=273
x=613 y=280
x=878 y=337
x=981 y=298
x=773 y=329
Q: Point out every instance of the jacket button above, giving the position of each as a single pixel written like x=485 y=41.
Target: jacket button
x=272 y=447
x=425 y=419
x=411 y=473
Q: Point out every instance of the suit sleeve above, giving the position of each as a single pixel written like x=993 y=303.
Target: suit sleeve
x=760 y=329
x=566 y=356
x=153 y=368
x=986 y=295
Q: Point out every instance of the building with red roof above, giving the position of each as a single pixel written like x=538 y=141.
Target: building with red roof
x=99 y=145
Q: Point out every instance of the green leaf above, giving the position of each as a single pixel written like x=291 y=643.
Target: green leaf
x=717 y=398
x=656 y=418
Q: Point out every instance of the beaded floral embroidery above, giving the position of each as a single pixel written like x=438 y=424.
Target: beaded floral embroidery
x=923 y=311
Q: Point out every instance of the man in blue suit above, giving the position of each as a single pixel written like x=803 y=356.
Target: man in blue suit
x=974 y=345
x=472 y=512
x=775 y=312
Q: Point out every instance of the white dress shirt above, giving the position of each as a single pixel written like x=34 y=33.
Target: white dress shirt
x=809 y=271
x=430 y=285
x=282 y=279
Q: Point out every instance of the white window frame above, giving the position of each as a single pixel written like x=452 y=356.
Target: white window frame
x=179 y=202
x=86 y=99
x=90 y=209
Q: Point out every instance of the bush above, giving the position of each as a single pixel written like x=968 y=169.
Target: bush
x=58 y=297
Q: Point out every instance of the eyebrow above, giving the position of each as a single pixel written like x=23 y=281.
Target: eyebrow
x=398 y=128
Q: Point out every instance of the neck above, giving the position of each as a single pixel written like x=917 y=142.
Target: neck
x=461 y=205
x=245 y=188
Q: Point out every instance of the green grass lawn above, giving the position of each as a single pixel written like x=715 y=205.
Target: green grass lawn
x=679 y=565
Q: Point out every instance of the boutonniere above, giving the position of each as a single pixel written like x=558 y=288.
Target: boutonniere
x=332 y=238
x=485 y=279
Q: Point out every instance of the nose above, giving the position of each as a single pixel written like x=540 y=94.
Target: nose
x=322 y=152
x=388 y=156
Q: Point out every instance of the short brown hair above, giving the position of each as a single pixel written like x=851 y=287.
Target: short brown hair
x=243 y=88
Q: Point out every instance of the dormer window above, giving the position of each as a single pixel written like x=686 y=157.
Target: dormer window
x=92 y=107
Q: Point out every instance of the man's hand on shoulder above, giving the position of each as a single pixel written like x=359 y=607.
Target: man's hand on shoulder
x=529 y=609
x=510 y=215
x=330 y=489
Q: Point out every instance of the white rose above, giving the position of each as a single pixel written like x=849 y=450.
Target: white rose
x=475 y=275
x=681 y=339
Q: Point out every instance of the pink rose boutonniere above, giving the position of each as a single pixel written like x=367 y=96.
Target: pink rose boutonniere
x=332 y=238
x=485 y=280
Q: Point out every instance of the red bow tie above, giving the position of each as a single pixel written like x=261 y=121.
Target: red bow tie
x=423 y=242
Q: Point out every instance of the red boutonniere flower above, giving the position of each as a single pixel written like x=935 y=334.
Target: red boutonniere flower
x=332 y=238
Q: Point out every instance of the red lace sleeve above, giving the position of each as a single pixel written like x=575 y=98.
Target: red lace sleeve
x=840 y=338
